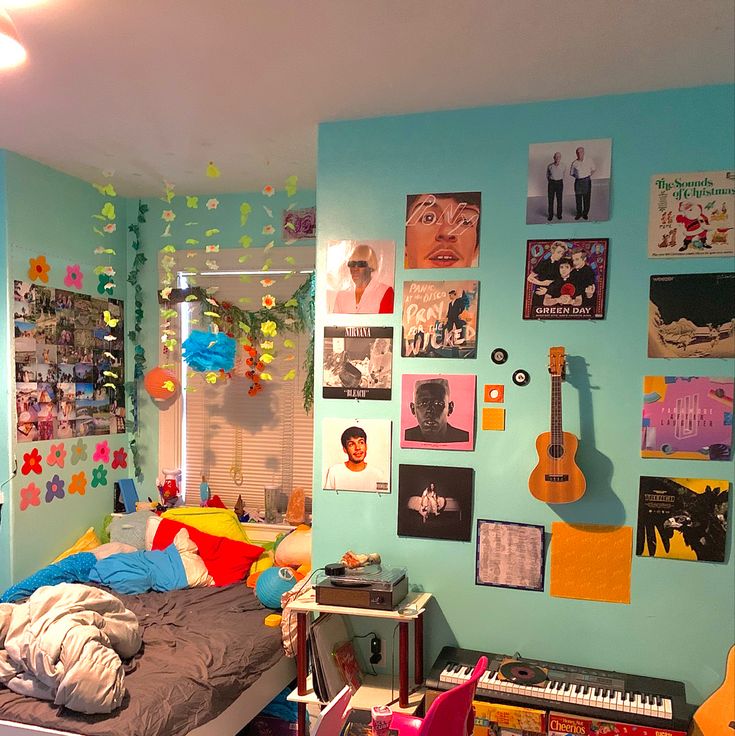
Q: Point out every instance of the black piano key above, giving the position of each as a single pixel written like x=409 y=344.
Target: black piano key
x=659 y=701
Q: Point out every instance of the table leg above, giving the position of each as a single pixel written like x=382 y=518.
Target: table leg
x=301 y=668
x=403 y=664
x=418 y=649
x=301 y=723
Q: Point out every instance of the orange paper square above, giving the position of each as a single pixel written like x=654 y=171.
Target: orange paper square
x=591 y=562
x=493 y=418
x=494 y=393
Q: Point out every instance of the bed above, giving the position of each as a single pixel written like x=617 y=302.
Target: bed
x=208 y=665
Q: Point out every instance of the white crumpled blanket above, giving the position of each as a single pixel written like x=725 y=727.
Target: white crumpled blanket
x=65 y=643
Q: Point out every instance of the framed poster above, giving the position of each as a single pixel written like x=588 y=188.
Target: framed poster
x=509 y=555
x=357 y=363
x=565 y=279
x=692 y=214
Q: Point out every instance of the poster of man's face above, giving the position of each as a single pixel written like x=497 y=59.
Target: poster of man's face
x=442 y=230
x=438 y=412
x=360 y=276
x=565 y=279
x=569 y=181
x=435 y=502
x=356 y=455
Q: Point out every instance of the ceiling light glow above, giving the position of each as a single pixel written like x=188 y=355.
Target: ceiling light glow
x=12 y=52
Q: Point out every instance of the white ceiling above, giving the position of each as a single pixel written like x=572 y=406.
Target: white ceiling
x=154 y=89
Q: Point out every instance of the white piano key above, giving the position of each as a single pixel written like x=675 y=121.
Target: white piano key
x=667 y=708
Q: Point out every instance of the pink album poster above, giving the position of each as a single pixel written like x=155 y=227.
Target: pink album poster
x=687 y=418
x=438 y=412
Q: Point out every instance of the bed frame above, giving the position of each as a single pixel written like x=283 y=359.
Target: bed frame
x=228 y=723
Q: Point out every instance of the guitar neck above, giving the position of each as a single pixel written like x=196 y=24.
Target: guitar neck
x=557 y=434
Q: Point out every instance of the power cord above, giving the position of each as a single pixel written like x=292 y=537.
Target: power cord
x=375 y=655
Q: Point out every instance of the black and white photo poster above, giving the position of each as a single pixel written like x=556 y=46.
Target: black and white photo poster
x=510 y=555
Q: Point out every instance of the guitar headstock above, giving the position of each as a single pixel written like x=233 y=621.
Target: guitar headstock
x=557 y=361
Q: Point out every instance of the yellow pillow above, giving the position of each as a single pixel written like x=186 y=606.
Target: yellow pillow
x=219 y=522
x=89 y=540
x=263 y=562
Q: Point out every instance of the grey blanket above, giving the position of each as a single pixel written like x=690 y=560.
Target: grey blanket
x=202 y=647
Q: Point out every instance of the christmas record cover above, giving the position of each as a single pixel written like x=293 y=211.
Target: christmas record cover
x=687 y=418
x=357 y=362
x=682 y=518
x=692 y=214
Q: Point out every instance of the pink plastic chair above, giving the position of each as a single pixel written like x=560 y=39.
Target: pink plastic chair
x=451 y=714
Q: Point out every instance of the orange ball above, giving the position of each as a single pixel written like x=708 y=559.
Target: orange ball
x=160 y=384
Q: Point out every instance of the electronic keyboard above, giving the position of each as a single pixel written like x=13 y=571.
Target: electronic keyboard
x=591 y=693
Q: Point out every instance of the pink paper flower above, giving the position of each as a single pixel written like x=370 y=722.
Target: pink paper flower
x=101 y=452
x=110 y=227
x=74 y=278
x=119 y=459
x=168 y=215
x=56 y=455
x=268 y=229
x=30 y=496
x=213 y=203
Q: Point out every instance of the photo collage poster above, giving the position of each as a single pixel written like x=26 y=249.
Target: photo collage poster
x=440 y=319
x=69 y=364
x=692 y=315
x=692 y=214
x=358 y=363
x=565 y=279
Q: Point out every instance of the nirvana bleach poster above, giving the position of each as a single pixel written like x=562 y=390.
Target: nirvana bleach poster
x=692 y=214
x=687 y=418
x=565 y=279
x=682 y=518
x=357 y=362
x=440 y=319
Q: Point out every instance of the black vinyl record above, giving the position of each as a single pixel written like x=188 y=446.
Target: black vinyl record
x=521 y=673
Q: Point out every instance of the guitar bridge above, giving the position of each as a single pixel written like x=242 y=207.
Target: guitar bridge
x=556 y=478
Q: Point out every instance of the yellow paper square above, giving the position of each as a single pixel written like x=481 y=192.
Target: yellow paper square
x=591 y=562
x=493 y=418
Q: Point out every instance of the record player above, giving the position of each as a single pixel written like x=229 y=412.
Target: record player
x=381 y=589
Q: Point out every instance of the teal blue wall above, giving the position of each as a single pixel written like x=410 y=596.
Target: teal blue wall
x=5 y=376
x=51 y=213
x=682 y=617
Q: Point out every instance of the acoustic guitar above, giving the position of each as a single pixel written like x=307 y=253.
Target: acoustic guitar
x=716 y=716
x=556 y=478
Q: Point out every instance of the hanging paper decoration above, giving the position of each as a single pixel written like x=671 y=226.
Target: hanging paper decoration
x=161 y=384
x=269 y=190
x=99 y=476
x=74 y=278
x=212 y=203
x=78 y=452
x=57 y=455
x=119 y=459
x=212 y=171
x=290 y=185
x=30 y=496
x=54 y=489
x=207 y=351
x=38 y=269
x=32 y=462
x=78 y=483
x=101 y=452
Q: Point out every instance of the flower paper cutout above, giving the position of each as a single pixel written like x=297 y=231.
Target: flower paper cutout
x=269 y=190
x=54 y=489
x=213 y=203
x=99 y=476
x=119 y=459
x=32 y=462
x=102 y=452
x=269 y=328
x=268 y=230
x=265 y=283
x=78 y=452
x=56 y=455
x=30 y=496
x=192 y=202
x=105 y=284
x=74 y=278
x=110 y=227
x=268 y=301
x=168 y=215
x=38 y=269
x=78 y=483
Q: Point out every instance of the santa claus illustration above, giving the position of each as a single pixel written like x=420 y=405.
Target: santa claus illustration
x=695 y=222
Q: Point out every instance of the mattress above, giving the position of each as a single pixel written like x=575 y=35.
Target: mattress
x=202 y=647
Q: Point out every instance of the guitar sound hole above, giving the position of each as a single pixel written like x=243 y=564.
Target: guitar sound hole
x=556 y=451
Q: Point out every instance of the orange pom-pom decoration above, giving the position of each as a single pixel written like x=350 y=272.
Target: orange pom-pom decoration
x=161 y=384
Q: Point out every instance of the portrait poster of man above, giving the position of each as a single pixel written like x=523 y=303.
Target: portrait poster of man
x=442 y=230
x=568 y=181
x=438 y=412
x=358 y=363
x=692 y=315
x=435 y=502
x=356 y=455
x=692 y=214
x=440 y=319
x=565 y=279
x=360 y=276
x=682 y=518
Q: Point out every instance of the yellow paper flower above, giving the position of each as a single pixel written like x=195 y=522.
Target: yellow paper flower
x=290 y=375
x=211 y=377
x=266 y=345
x=268 y=301
x=269 y=328
x=266 y=377
x=266 y=358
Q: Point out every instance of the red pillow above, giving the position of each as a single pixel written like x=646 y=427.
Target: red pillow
x=226 y=560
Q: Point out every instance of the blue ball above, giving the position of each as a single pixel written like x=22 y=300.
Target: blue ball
x=272 y=584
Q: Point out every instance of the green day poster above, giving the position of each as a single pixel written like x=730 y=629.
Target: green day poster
x=692 y=214
x=440 y=319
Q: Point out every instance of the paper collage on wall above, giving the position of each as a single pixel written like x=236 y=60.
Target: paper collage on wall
x=69 y=363
x=687 y=418
x=692 y=315
x=356 y=455
x=682 y=518
x=692 y=214
x=565 y=279
x=357 y=362
x=440 y=319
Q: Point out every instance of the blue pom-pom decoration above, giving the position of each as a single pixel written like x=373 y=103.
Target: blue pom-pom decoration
x=207 y=351
x=272 y=584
